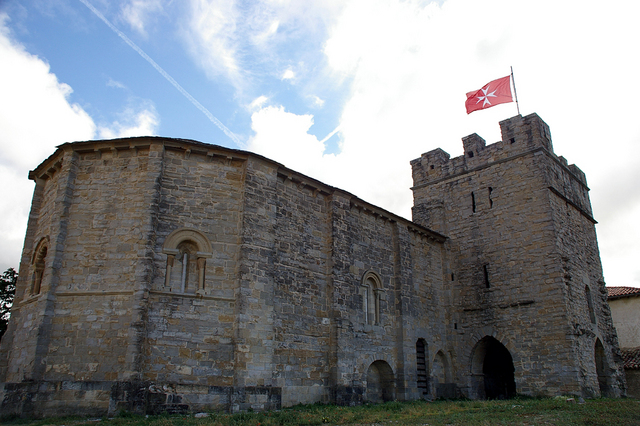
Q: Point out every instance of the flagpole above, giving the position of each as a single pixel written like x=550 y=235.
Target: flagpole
x=514 y=91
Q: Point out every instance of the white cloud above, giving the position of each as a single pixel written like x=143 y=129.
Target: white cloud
x=618 y=240
x=317 y=102
x=408 y=65
x=136 y=13
x=16 y=192
x=258 y=102
x=113 y=83
x=242 y=41
x=265 y=33
x=416 y=74
x=132 y=123
x=409 y=81
x=284 y=137
x=211 y=36
x=288 y=74
x=36 y=116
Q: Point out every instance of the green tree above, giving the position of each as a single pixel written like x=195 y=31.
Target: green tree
x=7 y=291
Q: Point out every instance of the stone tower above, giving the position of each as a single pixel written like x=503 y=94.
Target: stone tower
x=530 y=312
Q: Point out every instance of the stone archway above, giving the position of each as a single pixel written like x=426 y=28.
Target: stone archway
x=602 y=369
x=444 y=388
x=492 y=369
x=380 y=383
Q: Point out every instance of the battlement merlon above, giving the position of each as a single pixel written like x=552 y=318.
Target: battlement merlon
x=520 y=135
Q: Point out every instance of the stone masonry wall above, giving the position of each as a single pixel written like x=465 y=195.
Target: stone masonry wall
x=367 y=245
x=302 y=325
x=425 y=295
x=189 y=336
x=255 y=296
x=367 y=241
x=90 y=334
x=588 y=313
x=34 y=310
x=181 y=276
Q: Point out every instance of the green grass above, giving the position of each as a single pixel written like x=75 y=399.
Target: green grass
x=519 y=411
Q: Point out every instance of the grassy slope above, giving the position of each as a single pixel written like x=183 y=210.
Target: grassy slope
x=558 y=411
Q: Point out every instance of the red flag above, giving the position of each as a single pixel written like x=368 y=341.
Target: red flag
x=493 y=93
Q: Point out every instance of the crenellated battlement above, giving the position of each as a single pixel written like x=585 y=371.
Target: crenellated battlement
x=520 y=135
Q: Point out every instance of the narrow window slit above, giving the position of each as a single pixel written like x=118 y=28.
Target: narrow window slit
x=485 y=269
x=592 y=314
x=473 y=202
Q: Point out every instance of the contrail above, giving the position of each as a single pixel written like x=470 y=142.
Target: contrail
x=164 y=74
x=336 y=130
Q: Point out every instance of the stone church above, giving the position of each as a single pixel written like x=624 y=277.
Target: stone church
x=168 y=275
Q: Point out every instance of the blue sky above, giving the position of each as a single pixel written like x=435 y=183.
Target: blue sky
x=345 y=91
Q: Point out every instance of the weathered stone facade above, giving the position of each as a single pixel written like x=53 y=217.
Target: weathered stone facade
x=171 y=275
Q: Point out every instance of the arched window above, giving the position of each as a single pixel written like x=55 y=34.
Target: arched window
x=37 y=264
x=188 y=263
x=372 y=294
x=187 y=251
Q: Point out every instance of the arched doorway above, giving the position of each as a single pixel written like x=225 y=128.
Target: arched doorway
x=492 y=368
x=380 y=383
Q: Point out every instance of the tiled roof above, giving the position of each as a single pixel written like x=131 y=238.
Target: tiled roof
x=616 y=292
x=631 y=358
